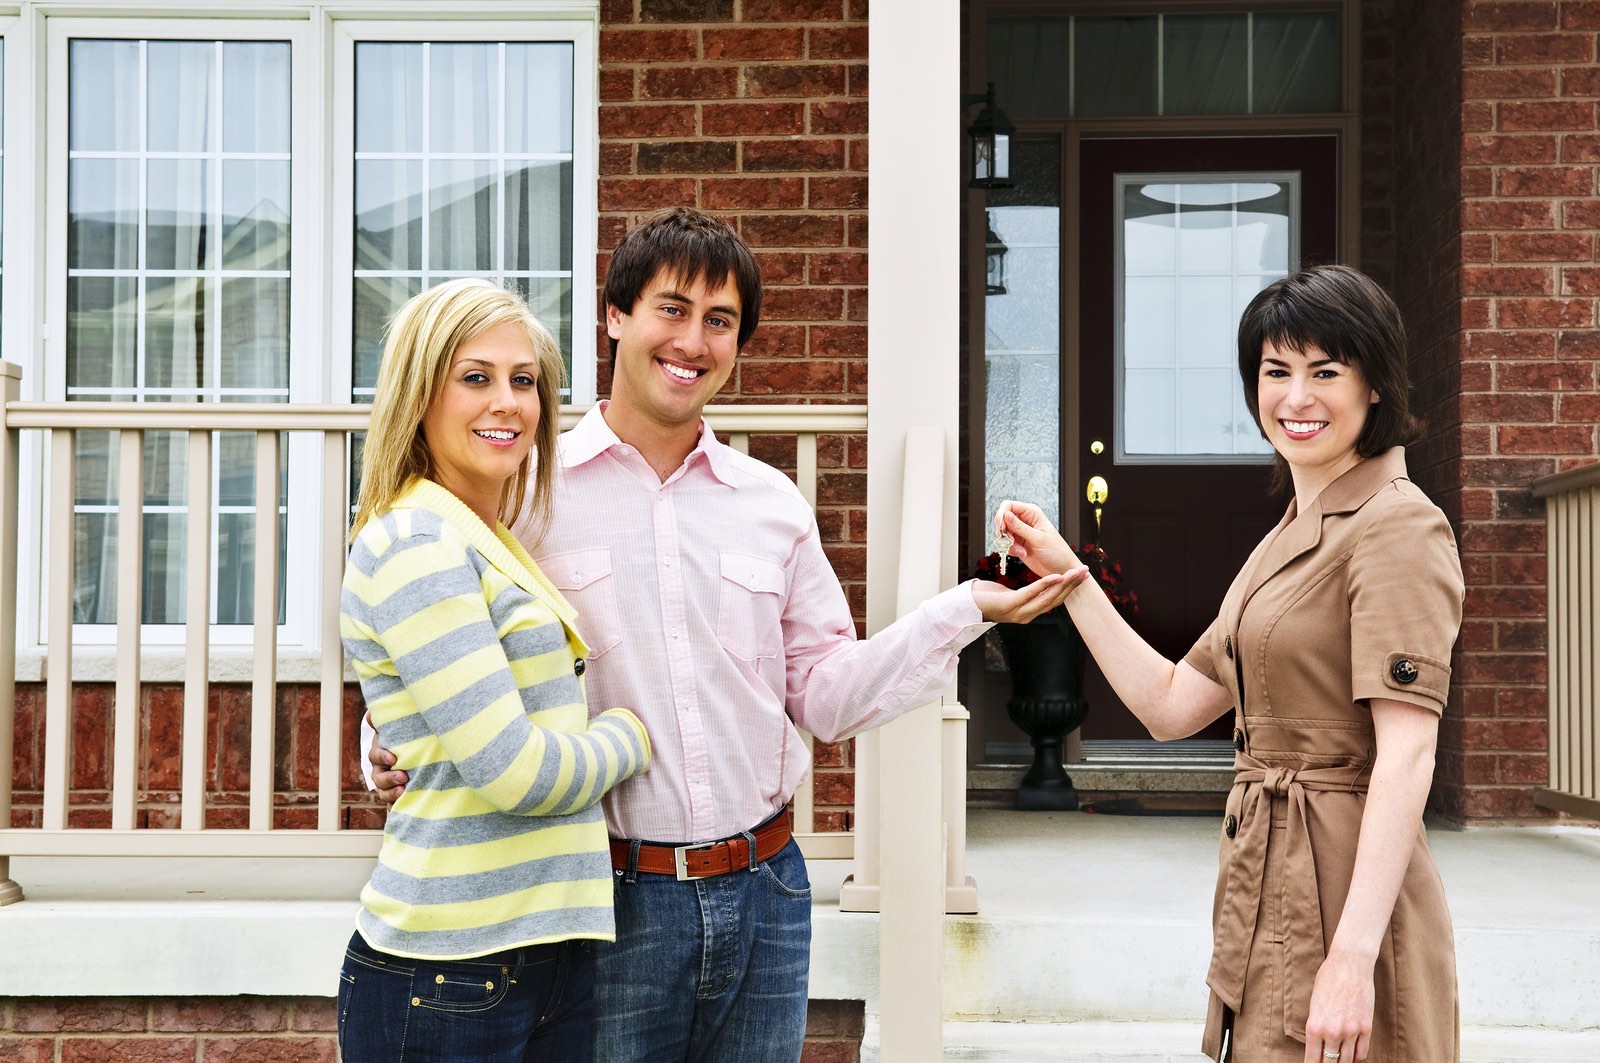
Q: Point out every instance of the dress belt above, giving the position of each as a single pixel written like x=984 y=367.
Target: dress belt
x=740 y=852
x=1264 y=784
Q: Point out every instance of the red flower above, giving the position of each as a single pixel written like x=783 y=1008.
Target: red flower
x=1102 y=570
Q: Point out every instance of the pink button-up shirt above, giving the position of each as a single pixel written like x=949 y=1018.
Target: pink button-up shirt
x=711 y=612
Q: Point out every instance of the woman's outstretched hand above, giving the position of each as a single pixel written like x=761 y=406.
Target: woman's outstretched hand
x=1035 y=540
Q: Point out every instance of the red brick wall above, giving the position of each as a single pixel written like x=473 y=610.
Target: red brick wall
x=1497 y=273
x=756 y=110
x=227 y=776
x=260 y=1030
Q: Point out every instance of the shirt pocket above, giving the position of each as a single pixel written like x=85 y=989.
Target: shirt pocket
x=750 y=609
x=585 y=578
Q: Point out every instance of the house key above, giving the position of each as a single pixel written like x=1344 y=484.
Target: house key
x=1002 y=546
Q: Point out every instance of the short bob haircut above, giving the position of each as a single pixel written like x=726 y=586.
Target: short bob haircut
x=422 y=343
x=1343 y=313
x=688 y=245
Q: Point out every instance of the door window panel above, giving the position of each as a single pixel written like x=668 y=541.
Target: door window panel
x=480 y=185
x=178 y=211
x=1191 y=252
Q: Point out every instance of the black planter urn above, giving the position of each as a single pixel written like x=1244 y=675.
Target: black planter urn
x=1046 y=660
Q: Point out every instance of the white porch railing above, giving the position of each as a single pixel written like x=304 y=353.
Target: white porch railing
x=333 y=425
x=1572 y=531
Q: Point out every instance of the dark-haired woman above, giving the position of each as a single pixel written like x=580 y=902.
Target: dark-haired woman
x=1332 y=937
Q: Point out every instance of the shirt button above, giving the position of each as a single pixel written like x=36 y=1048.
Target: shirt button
x=1230 y=826
x=674 y=632
x=666 y=560
x=1404 y=671
x=579 y=666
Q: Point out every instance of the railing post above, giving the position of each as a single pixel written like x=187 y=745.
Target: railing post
x=10 y=391
x=910 y=798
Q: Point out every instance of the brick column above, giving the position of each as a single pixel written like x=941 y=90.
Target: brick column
x=756 y=110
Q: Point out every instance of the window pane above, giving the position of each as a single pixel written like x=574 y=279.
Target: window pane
x=255 y=214
x=478 y=183
x=388 y=97
x=177 y=215
x=1205 y=64
x=182 y=95
x=255 y=115
x=1114 y=66
x=538 y=98
x=102 y=337
x=102 y=214
x=103 y=99
x=1181 y=303
x=376 y=300
x=1028 y=64
x=177 y=324
x=150 y=315
x=1296 y=63
x=461 y=221
x=464 y=101
x=255 y=336
x=388 y=215
x=538 y=199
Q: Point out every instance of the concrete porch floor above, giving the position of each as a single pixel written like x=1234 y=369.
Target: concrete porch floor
x=1094 y=937
x=1091 y=945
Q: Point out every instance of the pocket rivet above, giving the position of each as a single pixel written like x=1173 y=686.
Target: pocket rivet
x=439 y=978
x=416 y=1001
x=489 y=986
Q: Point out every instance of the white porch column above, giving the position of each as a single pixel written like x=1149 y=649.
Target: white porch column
x=914 y=124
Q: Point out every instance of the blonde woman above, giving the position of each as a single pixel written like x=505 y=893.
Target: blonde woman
x=474 y=938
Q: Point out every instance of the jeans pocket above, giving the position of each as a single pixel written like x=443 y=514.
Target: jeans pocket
x=347 y=990
x=459 y=987
x=787 y=873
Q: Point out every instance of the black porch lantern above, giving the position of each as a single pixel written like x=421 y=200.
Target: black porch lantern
x=994 y=255
x=991 y=134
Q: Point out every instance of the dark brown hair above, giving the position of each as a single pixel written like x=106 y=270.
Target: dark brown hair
x=1345 y=314
x=689 y=245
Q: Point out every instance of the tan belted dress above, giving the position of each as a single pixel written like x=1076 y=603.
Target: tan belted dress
x=1358 y=597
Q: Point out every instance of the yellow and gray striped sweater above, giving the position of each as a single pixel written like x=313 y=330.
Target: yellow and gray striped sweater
x=467 y=658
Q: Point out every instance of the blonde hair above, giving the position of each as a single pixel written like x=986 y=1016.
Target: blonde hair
x=423 y=339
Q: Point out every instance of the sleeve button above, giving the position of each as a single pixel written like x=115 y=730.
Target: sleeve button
x=1404 y=671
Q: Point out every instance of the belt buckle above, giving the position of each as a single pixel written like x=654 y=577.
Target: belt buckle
x=679 y=867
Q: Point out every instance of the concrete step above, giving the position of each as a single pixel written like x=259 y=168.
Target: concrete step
x=1152 y=1042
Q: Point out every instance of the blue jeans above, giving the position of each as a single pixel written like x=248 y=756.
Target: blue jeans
x=712 y=970
x=529 y=1005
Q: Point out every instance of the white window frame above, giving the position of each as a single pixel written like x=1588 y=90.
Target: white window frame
x=305 y=285
x=585 y=169
x=34 y=189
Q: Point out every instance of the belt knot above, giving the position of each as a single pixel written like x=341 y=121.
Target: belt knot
x=1277 y=780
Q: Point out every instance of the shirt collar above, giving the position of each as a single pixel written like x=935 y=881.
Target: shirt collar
x=592 y=436
x=1352 y=490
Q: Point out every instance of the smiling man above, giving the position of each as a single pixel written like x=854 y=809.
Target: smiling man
x=710 y=610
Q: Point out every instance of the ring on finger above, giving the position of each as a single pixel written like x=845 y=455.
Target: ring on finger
x=1329 y=1055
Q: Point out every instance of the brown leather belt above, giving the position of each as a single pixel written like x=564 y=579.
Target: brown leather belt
x=707 y=859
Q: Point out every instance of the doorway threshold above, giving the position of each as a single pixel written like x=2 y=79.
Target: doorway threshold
x=1189 y=774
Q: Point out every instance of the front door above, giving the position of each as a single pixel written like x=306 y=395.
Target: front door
x=1175 y=237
